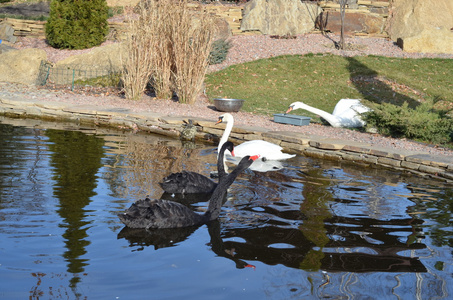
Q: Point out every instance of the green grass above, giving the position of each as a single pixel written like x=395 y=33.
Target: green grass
x=270 y=85
x=112 y=80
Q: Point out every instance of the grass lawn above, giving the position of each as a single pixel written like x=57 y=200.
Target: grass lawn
x=320 y=80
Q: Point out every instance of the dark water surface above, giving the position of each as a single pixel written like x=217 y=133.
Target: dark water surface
x=313 y=230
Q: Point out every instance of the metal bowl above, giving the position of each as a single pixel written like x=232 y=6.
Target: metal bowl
x=228 y=105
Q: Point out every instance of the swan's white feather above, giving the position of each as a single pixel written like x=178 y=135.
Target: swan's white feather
x=345 y=114
x=266 y=150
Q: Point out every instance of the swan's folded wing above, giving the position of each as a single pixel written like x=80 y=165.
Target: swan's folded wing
x=265 y=149
x=198 y=183
x=187 y=182
x=156 y=213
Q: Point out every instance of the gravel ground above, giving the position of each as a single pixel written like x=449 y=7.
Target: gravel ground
x=245 y=48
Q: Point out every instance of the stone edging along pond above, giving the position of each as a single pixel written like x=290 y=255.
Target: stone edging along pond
x=420 y=163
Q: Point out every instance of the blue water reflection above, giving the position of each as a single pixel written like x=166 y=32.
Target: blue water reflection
x=316 y=229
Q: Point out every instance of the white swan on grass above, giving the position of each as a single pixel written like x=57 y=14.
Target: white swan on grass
x=269 y=153
x=345 y=114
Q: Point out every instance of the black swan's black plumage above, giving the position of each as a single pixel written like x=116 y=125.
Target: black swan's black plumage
x=154 y=213
x=187 y=182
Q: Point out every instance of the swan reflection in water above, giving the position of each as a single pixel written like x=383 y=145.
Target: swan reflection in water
x=276 y=245
x=282 y=233
x=162 y=238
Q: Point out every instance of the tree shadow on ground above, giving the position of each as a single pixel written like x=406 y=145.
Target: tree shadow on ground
x=378 y=89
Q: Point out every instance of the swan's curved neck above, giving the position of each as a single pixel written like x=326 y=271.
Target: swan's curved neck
x=215 y=203
x=333 y=120
x=216 y=200
x=226 y=133
x=221 y=165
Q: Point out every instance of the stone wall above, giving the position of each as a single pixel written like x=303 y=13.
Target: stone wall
x=373 y=12
x=362 y=17
x=31 y=28
x=26 y=27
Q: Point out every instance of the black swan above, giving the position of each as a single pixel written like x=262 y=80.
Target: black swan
x=187 y=182
x=153 y=213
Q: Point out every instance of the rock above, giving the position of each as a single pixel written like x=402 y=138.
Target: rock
x=223 y=29
x=352 y=4
x=354 y=23
x=100 y=61
x=279 y=17
x=21 y=66
x=7 y=33
x=426 y=22
x=5 y=48
x=439 y=40
x=108 y=56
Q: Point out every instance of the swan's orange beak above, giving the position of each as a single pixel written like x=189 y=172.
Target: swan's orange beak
x=219 y=121
x=232 y=153
x=289 y=109
x=255 y=157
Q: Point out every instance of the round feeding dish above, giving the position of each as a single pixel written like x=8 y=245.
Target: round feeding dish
x=228 y=105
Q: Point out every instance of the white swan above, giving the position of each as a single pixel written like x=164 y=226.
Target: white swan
x=266 y=150
x=345 y=114
x=258 y=165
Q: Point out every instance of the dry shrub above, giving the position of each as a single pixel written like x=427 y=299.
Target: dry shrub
x=138 y=60
x=159 y=14
x=192 y=42
x=169 y=45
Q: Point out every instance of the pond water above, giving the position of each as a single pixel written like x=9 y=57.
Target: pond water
x=313 y=230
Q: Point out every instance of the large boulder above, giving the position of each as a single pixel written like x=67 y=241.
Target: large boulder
x=108 y=56
x=279 y=17
x=223 y=29
x=353 y=22
x=438 y=40
x=5 y=48
x=99 y=62
x=422 y=26
x=7 y=33
x=21 y=66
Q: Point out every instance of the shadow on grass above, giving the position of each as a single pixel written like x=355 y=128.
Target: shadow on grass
x=378 y=89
